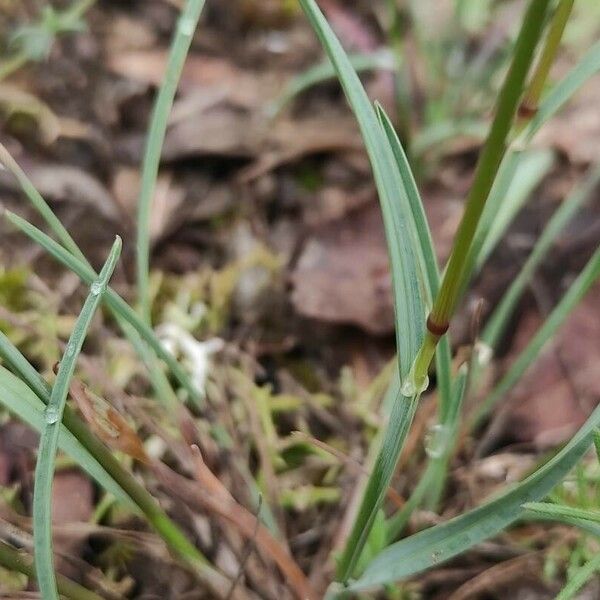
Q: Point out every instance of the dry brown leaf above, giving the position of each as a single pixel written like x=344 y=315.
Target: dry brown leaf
x=342 y=275
x=106 y=422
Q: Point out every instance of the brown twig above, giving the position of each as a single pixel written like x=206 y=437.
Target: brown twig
x=214 y=497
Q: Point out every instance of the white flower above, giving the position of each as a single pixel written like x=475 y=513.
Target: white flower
x=196 y=354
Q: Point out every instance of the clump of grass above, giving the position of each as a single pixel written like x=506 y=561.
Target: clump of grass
x=372 y=555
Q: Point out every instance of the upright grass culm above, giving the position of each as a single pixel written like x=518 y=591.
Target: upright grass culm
x=487 y=167
x=156 y=134
x=531 y=98
x=42 y=491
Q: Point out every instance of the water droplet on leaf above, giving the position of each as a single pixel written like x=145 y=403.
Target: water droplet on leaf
x=409 y=387
x=95 y=288
x=51 y=414
x=187 y=26
x=437 y=440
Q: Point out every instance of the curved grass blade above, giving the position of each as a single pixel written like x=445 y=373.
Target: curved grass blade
x=94 y=457
x=575 y=293
x=156 y=134
x=44 y=472
x=497 y=322
x=407 y=279
x=561 y=511
x=120 y=308
x=587 y=526
x=562 y=92
x=22 y=402
x=432 y=480
x=156 y=374
x=431 y=268
x=532 y=169
x=382 y=60
x=441 y=542
x=579 y=578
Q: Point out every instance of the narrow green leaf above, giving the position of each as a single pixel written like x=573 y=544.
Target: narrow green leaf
x=533 y=167
x=562 y=92
x=557 y=511
x=597 y=443
x=497 y=322
x=158 y=379
x=579 y=578
x=432 y=481
x=439 y=543
x=395 y=205
x=111 y=298
x=92 y=455
x=407 y=279
x=20 y=400
x=575 y=293
x=180 y=46
x=585 y=525
x=430 y=268
x=324 y=71
x=44 y=472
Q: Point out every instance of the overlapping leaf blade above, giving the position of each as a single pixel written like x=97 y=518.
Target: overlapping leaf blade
x=44 y=473
x=440 y=543
x=408 y=280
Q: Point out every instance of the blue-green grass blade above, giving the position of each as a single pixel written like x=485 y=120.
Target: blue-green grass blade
x=180 y=46
x=407 y=277
x=119 y=307
x=157 y=377
x=579 y=578
x=562 y=511
x=498 y=321
x=438 y=544
x=564 y=90
x=23 y=403
x=44 y=472
x=529 y=354
x=430 y=267
x=324 y=71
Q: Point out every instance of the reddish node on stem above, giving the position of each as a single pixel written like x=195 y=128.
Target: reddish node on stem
x=436 y=329
x=527 y=111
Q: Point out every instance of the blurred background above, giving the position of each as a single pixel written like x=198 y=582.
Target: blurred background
x=268 y=247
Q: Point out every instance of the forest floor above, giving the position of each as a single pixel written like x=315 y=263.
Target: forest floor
x=270 y=272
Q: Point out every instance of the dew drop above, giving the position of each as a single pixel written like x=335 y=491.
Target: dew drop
x=95 y=288
x=51 y=414
x=186 y=27
x=437 y=440
x=409 y=387
x=69 y=350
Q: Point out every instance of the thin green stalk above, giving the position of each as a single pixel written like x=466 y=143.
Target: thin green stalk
x=432 y=481
x=15 y=560
x=485 y=173
x=176 y=540
x=496 y=324
x=579 y=578
x=563 y=309
x=529 y=104
x=44 y=473
x=156 y=135
x=549 y=509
